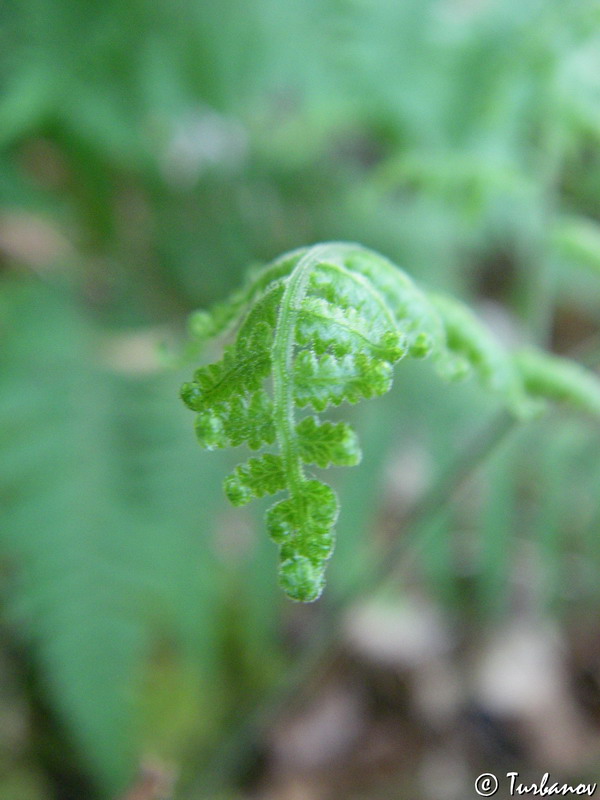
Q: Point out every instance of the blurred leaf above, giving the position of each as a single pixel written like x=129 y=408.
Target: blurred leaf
x=105 y=508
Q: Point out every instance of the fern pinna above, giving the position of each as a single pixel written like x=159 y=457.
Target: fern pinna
x=316 y=328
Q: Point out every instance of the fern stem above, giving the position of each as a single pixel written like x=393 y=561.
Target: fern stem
x=283 y=351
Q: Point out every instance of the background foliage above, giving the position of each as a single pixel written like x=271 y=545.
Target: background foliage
x=150 y=152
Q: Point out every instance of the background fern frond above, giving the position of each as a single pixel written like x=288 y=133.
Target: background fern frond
x=96 y=482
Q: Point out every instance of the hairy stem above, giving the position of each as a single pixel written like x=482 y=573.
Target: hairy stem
x=283 y=352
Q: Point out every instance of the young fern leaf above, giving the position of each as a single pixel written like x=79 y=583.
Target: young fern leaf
x=316 y=328
x=560 y=380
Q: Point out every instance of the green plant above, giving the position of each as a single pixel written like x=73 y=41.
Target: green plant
x=325 y=325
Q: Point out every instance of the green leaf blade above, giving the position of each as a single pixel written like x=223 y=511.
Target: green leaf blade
x=256 y=478
x=327 y=443
x=328 y=380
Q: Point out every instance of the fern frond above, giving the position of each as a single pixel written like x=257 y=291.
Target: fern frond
x=471 y=347
x=320 y=327
x=578 y=239
x=550 y=377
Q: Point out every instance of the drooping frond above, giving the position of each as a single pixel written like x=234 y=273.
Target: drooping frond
x=317 y=328
x=549 y=377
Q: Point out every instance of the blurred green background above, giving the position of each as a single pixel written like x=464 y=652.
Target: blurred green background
x=149 y=153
